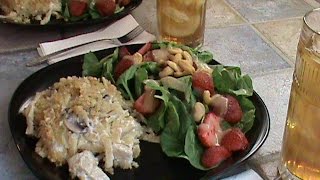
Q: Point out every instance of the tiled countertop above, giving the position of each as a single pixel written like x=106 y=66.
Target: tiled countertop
x=260 y=36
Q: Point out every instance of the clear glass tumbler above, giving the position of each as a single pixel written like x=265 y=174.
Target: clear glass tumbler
x=182 y=21
x=300 y=157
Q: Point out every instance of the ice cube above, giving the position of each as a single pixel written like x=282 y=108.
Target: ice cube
x=175 y=15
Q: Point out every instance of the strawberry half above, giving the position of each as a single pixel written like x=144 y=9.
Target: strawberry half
x=214 y=155
x=147 y=104
x=234 y=140
x=202 y=81
x=207 y=131
x=106 y=7
x=123 y=51
x=77 y=7
x=122 y=66
x=234 y=112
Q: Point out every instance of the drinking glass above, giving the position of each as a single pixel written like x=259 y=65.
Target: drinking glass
x=182 y=21
x=300 y=156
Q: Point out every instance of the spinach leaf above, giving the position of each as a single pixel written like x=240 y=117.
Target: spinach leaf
x=229 y=80
x=205 y=56
x=172 y=138
x=108 y=65
x=118 y=9
x=187 y=81
x=157 y=121
x=193 y=148
x=165 y=94
x=125 y=78
x=140 y=76
x=91 y=65
x=171 y=144
x=93 y=10
x=248 y=109
x=65 y=9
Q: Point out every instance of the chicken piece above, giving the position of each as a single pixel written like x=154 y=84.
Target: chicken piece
x=85 y=166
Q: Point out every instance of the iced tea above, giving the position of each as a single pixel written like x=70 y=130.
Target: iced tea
x=301 y=142
x=182 y=21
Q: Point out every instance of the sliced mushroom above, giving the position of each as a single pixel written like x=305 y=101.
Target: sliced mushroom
x=73 y=124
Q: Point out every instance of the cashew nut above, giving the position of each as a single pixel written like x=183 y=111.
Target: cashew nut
x=137 y=58
x=198 y=111
x=186 y=66
x=206 y=97
x=180 y=74
x=167 y=71
x=174 y=66
x=186 y=56
x=174 y=50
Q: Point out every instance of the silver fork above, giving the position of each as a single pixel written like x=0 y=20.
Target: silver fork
x=123 y=39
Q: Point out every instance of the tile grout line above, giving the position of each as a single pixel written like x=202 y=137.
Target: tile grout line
x=266 y=40
x=273 y=46
x=276 y=71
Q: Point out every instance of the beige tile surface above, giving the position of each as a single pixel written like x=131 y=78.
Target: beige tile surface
x=220 y=14
x=283 y=34
x=314 y=3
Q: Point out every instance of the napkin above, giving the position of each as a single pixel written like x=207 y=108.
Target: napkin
x=115 y=30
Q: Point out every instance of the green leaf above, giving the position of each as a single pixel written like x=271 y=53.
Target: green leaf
x=205 y=56
x=93 y=10
x=157 y=121
x=108 y=65
x=179 y=120
x=248 y=117
x=129 y=75
x=230 y=81
x=164 y=91
x=118 y=9
x=65 y=9
x=171 y=144
x=193 y=148
x=140 y=76
x=91 y=65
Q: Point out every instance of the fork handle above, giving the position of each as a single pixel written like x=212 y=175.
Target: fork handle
x=43 y=59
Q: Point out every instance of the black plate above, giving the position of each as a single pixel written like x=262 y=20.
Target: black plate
x=62 y=23
x=153 y=163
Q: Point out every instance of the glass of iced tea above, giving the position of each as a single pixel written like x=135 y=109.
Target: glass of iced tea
x=182 y=21
x=300 y=157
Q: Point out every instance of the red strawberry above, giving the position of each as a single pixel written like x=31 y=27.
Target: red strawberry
x=145 y=48
x=123 y=51
x=77 y=7
x=207 y=131
x=214 y=156
x=234 y=111
x=106 y=7
x=122 y=66
x=234 y=140
x=202 y=81
x=147 y=103
x=148 y=56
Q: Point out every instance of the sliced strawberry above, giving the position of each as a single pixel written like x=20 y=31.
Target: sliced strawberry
x=145 y=48
x=208 y=130
x=106 y=7
x=122 y=66
x=77 y=7
x=207 y=135
x=214 y=155
x=147 y=103
x=202 y=81
x=234 y=112
x=234 y=140
x=123 y=51
x=148 y=56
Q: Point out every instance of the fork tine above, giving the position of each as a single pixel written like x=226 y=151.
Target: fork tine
x=131 y=35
